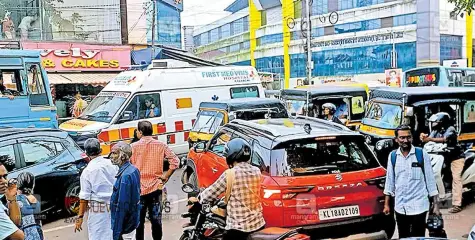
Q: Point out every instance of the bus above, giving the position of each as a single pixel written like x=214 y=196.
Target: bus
x=25 y=95
x=439 y=76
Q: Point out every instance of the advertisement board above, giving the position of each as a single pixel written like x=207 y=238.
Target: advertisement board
x=393 y=77
x=455 y=63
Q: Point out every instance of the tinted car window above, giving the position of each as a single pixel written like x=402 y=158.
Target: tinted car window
x=39 y=151
x=319 y=157
x=7 y=157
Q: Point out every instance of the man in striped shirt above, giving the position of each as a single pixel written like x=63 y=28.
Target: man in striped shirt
x=148 y=155
x=411 y=182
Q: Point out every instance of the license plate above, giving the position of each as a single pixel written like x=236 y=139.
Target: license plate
x=340 y=212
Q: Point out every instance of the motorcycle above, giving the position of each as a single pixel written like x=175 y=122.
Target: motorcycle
x=204 y=224
x=442 y=174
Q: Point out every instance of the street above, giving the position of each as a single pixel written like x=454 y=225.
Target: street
x=456 y=225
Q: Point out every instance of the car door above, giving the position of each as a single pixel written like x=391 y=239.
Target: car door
x=212 y=162
x=48 y=160
x=9 y=156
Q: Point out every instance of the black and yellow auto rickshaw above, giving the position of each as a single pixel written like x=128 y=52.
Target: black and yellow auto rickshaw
x=349 y=100
x=212 y=115
x=388 y=108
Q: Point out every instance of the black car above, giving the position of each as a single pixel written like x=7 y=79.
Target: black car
x=52 y=157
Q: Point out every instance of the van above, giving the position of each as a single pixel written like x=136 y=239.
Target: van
x=166 y=96
x=25 y=95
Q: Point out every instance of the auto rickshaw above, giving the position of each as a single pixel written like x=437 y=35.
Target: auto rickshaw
x=307 y=101
x=388 y=108
x=212 y=115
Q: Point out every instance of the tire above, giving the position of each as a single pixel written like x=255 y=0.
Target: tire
x=71 y=199
x=194 y=181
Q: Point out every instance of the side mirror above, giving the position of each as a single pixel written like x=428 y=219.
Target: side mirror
x=127 y=116
x=409 y=112
x=189 y=188
x=382 y=144
x=199 y=147
x=232 y=117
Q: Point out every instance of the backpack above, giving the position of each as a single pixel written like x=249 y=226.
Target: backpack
x=419 y=157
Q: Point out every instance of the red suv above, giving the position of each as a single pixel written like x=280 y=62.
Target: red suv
x=317 y=174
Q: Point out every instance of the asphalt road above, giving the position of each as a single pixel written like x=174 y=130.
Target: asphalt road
x=456 y=225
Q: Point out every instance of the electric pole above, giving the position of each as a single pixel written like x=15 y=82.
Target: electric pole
x=309 y=42
x=154 y=16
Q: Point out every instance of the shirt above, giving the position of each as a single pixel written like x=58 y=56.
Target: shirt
x=97 y=180
x=244 y=209
x=148 y=156
x=125 y=201
x=450 y=135
x=156 y=112
x=7 y=227
x=407 y=184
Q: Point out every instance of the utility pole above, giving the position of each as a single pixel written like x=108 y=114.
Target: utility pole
x=154 y=16
x=394 y=54
x=309 y=42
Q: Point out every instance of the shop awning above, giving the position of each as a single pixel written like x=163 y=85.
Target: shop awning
x=94 y=79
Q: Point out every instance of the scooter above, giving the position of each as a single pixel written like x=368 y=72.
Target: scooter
x=438 y=152
x=204 y=224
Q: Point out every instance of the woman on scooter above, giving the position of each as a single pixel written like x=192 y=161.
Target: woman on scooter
x=443 y=132
x=244 y=209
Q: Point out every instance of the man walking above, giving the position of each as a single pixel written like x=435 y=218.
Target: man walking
x=411 y=182
x=97 y=181
x=125 y=200
x=148 y=156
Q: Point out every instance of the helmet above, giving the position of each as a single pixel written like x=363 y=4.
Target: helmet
x=237 y=150
x=330 y=107
x=435 y=225
x=439 y=120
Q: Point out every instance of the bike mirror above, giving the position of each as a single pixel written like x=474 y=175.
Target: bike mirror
x=188 y=188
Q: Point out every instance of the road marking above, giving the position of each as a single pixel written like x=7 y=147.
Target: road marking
x=72 y=225
x=58 y=228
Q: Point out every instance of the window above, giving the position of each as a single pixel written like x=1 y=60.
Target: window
x=260 y=156
x=244 y=92
x=7 y=157
x=245 y=45
x=218 y=143
x=245 y=22
x=208 y=121
x=263 y=18
x=145 y=106
x=11 y=80
x=214 y=36
x=36 y=86
x=238 y=26
x=169 y=25
x=204 y=38
x=318 y=32
x=306 y=157
x=35 y=152
x=226 y=30
x=298 y=8
x=104 y=107
x=197 y=40
x=234 y=48
x=319 y=7
x=268 y=39
x=345 y=4
x=384 y=115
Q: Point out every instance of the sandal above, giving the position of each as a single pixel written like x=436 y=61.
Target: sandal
x=455 y=209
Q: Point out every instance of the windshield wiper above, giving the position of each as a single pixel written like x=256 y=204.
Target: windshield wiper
x=216 y=113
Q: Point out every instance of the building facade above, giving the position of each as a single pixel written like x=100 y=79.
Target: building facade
x=188 y=38
x=350 y=39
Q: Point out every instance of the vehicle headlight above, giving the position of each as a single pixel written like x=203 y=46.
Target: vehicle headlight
x=379 y=146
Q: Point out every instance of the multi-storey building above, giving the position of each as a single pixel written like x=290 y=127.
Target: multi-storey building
x=349 y=38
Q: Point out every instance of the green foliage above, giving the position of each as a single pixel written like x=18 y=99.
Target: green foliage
x=462 y=6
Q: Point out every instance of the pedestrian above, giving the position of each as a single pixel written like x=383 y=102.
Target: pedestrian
x=78 y=106
x=149 y=156
x=244 y=208
x=125 y=200
x=97 y=181
x=10 y=215
x=135 y=139
x=29 y=205
x=443 y=132
x=411 y=182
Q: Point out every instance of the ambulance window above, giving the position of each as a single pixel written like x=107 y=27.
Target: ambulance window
x=145 y=106
x=244 y=92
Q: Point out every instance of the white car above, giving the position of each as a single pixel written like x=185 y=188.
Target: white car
x=471 y=235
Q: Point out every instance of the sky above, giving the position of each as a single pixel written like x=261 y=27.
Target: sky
x=202 y=12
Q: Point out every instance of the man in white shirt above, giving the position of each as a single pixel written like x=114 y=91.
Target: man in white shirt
x=97 y=181
x=8 y=230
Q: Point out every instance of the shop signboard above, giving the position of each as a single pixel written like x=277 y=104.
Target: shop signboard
x=68 y=57
x=462 y=63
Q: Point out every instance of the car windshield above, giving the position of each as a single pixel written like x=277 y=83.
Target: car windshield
x=328 y=155
x=104 y=107
x=383 y=115
x=208 y=121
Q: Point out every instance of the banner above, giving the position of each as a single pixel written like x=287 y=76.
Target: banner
x=393 y=77
x=362 y=39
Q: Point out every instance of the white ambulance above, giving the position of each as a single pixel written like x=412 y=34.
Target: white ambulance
x=167 y=96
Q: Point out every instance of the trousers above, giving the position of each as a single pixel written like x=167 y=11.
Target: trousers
x=457 y=186
x=151 y=203
x=411 y=225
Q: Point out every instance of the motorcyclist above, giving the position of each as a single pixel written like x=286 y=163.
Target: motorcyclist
x=244 y=209
x=329 y=110
x=443 y=132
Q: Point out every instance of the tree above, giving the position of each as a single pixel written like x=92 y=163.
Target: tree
x=462 y=6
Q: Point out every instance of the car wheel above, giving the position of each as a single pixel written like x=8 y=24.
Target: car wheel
x=71 y=198
x=194 y=181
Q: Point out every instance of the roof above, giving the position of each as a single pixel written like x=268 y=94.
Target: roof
x=20 y=53
x=325 y=91
x=417 y=94
x=237 y=6
x=94 y=79
x=285 y=129
x=164 y=52
x=232 y=105
x=7 y=132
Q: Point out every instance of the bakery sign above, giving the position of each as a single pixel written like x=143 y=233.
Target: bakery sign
x=81 y=57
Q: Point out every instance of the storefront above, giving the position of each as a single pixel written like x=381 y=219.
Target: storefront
x=77 y=67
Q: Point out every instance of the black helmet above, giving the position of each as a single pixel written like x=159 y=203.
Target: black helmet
x=439 y=120
x=237 y=150
x=435 y=225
